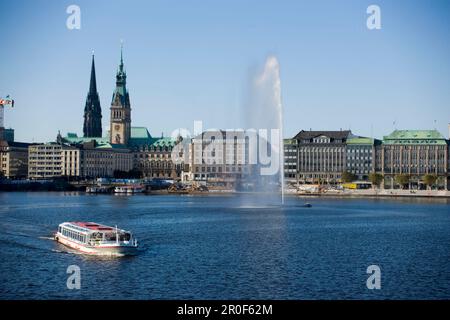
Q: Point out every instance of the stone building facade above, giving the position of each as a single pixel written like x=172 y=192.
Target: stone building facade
x=290 y=160
x=153 y=156
x=220 y=157
x=360 y=156
x=414 y=153
x=321 y=155
x=44 y=161
x=86 y=160
x=13 y=159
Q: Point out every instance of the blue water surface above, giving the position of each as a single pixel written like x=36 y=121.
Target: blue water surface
x=225 y=247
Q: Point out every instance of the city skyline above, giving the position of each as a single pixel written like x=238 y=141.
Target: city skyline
x=230 y=158
x=177 y=76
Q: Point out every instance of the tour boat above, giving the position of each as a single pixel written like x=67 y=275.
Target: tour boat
x=128 y=189
x=96 y=239
x=95 y=189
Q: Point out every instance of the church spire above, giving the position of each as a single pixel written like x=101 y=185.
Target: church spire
x=92 y=110
x=93 y=82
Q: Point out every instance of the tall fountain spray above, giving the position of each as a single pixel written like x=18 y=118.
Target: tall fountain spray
x=264 y=110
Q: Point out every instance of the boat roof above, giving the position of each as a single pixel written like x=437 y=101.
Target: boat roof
x=89 y=226
x=92 y=226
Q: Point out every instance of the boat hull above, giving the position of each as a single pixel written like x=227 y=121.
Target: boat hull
x=119 y=250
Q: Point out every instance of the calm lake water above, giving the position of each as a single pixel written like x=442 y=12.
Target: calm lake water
x=222 y=247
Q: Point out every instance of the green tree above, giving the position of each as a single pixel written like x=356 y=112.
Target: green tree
x=402 y=179
x=429 y=180
x=348 y=177
x=376 y=179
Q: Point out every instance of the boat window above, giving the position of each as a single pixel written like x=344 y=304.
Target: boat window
x=125 y=236
x=97 y=236
x=110 y=236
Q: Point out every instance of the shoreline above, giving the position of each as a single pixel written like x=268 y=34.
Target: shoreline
x=369 y=194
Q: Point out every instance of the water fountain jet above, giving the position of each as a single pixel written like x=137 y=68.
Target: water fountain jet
x=264 y=110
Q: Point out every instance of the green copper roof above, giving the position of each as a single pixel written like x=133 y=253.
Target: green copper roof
x=164 y=142
x=139 y=137
x=74 y=138
x=153 y=142
x=102 y=143
x=140 y=133
x=289 y=141
x=361 y=141
x=111 y=146
x=414 y=137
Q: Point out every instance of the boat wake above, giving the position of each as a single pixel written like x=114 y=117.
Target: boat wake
x=12 y=242
x=47 y=238
x=257 y=207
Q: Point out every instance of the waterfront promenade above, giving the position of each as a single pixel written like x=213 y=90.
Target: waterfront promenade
x=378 y=193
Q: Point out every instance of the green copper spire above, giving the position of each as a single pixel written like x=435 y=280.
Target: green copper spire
x=121 y=68
x=120 y=94
x=121 y=53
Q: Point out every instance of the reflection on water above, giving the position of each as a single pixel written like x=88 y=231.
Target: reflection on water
x=211 y=247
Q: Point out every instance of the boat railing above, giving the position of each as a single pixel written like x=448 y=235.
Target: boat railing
x=112 y=242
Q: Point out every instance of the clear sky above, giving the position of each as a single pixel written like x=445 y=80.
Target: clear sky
x=190 y=60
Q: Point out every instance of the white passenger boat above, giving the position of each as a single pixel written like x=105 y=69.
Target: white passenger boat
x=129 y=189
x=97 y=189
x=96 y=239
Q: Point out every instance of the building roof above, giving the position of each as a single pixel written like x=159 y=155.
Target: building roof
x=5 y=143
x=305 y=135
x=100 y=143
x=361 y=141
x=289 y=141
x=414 y=137
x=139 y=137
x=74 y=138
x=140 y=132
x=164 y=142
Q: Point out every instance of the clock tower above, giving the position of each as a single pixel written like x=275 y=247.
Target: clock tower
x=120 y=122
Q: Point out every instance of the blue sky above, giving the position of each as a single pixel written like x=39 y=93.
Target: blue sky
x=190 y=60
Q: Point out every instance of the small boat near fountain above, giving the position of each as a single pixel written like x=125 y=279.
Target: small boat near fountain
x=307 y=205
x=129 y=189
x=98 y=189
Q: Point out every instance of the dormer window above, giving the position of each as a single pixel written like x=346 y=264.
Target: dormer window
x=321 y=139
